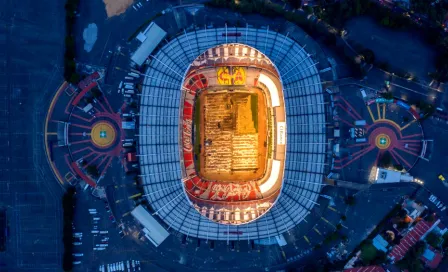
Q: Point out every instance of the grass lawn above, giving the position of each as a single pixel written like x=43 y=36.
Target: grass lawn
x=254 y=109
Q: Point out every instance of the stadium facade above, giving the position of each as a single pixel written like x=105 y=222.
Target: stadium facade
x=225 y=61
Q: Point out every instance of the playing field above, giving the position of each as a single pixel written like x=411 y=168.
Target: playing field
x=232 y=135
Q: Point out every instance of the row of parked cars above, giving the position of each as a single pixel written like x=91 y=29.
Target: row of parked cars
x=439 y=204
x=128 y=266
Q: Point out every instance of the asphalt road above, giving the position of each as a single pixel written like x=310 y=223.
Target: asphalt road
x=429 y=171
x=31 y=49
x=403 y=50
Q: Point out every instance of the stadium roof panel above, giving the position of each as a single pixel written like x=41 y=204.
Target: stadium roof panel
x=160 y=137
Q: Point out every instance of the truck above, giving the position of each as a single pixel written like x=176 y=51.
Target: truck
x=132 y=74
x=360 y=122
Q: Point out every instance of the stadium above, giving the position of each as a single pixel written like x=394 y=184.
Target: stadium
x=232 y=136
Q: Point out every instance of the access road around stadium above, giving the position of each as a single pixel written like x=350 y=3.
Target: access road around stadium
x=315 y=227
x=172 y=253
x=247 y=256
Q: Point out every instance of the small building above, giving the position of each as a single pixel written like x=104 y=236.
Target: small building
x=431 y=257
x=380 y=244
x=413 y=209
x=337 y=133
x=89 y=80
x=372 y=268
x=391 y=176
x=415 y=234
x=155 y=233
x=128 y=125
x=441 y=229
x=150 y=39
x=87 y=108
x=131 y=157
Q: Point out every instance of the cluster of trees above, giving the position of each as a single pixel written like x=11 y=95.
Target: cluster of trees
x=96 y=93
x=70 y=73
x=386 y=161
x=336 y=14
x=434 y=11
x=371 y=256
x=93 y=171
x=334 y=236
x=68 y=205
x=379 y=227
x=411 y=261
x=313 y=28
x=295 y=4
x=433 y=239
x=249 y=6
x=425 y=108
x=350 y=200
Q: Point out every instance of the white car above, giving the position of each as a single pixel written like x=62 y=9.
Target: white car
x=443 y=208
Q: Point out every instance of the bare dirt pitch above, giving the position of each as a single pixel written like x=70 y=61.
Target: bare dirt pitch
x=233 y=134
x=116 y=7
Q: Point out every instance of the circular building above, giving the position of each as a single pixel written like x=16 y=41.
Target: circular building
x=231 y=136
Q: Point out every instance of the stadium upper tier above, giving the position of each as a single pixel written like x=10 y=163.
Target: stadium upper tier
x=164 y=171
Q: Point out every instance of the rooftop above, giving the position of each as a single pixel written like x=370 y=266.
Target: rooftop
x=420 y=229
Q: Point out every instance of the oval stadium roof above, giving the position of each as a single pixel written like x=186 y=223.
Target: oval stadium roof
x=160 y=141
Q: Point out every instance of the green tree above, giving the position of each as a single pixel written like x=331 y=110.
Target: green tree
x=368 y=253
x=387 y=95
x=411 y=260
x=385 y=21
x=295 y=4
x=96 y=93
x=92 y=170
x=368 y=55
x=433 y=239
x=350 y=200
x=385 y=160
